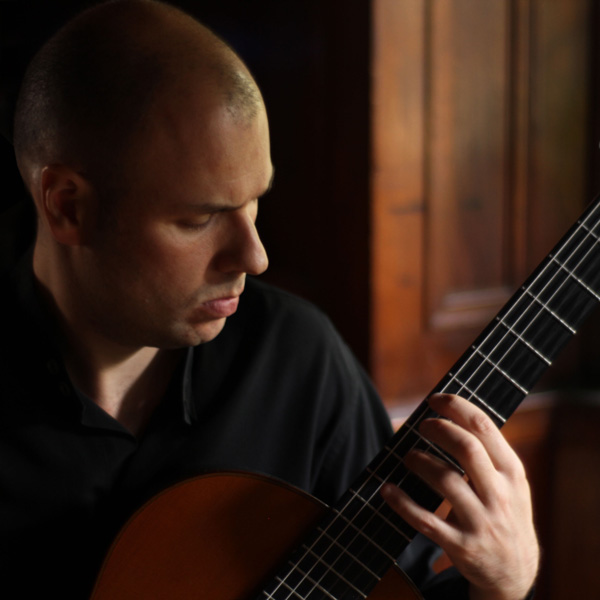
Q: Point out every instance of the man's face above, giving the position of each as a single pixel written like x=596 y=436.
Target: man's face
x=170 y=265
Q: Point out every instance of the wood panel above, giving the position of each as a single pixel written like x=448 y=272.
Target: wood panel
x=467 y=271
x=480 y=117
x=397 y=192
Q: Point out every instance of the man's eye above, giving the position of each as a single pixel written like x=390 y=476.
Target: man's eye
x=196 y=223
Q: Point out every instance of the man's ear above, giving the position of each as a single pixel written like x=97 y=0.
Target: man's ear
x=66 y=198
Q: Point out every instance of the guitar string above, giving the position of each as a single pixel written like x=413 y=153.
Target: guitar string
x=583 y=225
x=546 y=285
x=509 y=329
x=552 y=258
x=589 y=233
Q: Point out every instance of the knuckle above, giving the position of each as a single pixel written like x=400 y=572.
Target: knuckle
x=518 y=473
x=503 y=498
x=427 y=523
x=515 y=470
x=470 y=446
x=481 y=424
x=449 y=482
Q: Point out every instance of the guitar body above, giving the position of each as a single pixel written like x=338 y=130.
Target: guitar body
x=219 y=537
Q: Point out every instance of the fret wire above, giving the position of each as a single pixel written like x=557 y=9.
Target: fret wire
x=381 y=521
x=375 y=512
x=551 y=312
x=424 y=487
x=590 y=231
x=474 y=395
x=316 y=584
x=503 y=337
x=348 y=553
x=383 y=524
x=349 y=523
x=501 y=371
x=577 y=279
x=334 y=540
x=539 y=301
x=340 y=515
x=374 y=474
x=356 y=534
x=359 y=531
x=372 y=471
x=474 y=392
x=465 y=385
x=436 y=450
x=406 y=429
x=291 y=592
x=397 y=482
x=524 y=341
x=553 y=257
x=563 y=248
x=296 y=593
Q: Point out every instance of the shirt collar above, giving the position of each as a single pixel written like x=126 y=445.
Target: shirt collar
x=190 y=413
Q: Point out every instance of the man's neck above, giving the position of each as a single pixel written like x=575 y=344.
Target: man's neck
x=128 y=383
x=128 y=389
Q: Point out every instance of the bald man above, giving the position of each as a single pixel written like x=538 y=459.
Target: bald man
x=141 y=354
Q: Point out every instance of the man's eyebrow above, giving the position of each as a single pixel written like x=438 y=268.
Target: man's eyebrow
x=214 y=207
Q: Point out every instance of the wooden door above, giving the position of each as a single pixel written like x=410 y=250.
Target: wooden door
x=479 y=163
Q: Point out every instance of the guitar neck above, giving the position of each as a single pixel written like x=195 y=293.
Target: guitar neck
x=347 y=554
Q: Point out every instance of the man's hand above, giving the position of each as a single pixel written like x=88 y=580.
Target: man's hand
x=489 y=535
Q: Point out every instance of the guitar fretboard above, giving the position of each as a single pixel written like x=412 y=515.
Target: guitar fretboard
x=360 y=538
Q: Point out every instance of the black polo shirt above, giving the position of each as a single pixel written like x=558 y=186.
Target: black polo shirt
x=277 y=392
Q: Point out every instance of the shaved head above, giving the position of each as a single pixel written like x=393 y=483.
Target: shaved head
x=93 y=88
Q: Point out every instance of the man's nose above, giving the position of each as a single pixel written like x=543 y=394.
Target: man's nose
x=243 y=251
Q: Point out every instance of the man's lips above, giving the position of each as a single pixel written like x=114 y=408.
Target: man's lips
x=221 y=307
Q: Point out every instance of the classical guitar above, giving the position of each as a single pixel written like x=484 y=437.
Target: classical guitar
x=238 y=536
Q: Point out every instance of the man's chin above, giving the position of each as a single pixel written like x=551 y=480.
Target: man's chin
x=205 y=332
x=191 y=334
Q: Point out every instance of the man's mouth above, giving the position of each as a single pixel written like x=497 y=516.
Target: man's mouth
x=221 y=307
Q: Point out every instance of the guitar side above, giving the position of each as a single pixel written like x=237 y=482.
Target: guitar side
x=216 y=536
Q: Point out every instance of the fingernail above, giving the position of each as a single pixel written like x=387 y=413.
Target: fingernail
x=439 y=397
x=387 y=490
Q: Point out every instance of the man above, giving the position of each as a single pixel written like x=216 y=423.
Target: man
x=140 y=354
